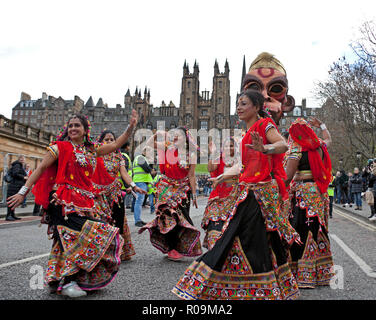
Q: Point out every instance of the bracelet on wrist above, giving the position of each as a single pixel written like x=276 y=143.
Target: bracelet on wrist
x=23 y=191
x=132 y=184
x=269 y=150
x=323 y=126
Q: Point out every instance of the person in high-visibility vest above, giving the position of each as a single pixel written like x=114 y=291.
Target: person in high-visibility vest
x=152 y=189
x=141 y=176
x=331 y=196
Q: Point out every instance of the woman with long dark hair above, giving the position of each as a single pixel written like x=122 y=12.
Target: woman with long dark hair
x=250 y=258
x=108 y=188
x=85 y=252
x=309 y=169
x=172 y=231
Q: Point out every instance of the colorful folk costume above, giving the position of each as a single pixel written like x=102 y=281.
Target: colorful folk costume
x=172 y=228
x=312 y=262
x=215 y=215
x=85 y=249
x=110 y=200
x=249 y=260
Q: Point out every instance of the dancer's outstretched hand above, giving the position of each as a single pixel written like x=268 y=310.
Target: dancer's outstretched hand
x=257 y=142
x=216 y=181
x=134 y=118
x=15 y=200
x=139 y=190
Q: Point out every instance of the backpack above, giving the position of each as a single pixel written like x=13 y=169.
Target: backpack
x=8 y=178
x=373 y=169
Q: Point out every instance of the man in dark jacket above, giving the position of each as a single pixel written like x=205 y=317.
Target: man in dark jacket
x=356 y=188
x=19 y=176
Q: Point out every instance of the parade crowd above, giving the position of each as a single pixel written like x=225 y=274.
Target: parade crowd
x=265 y=222
x=356 y=188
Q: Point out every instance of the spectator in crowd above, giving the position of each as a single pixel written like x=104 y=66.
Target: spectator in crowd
x=372 y=188
x=356 y=188
x=343 y=181
x=337 y=187
x=19 y=176
x=331 y=196
x=350 y=194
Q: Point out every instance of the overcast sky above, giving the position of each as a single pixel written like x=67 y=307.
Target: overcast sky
x=102 y=48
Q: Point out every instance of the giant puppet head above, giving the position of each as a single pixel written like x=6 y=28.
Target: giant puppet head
x=267 y=75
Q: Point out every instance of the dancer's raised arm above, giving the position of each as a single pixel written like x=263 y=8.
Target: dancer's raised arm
x=123 y=138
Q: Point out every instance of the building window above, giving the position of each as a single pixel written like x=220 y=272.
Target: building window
x=204 y=125
x=220 y=84
x=219 y=100
x=297 y=112
x=188 y=101
x=189 y=84
x=204 y=112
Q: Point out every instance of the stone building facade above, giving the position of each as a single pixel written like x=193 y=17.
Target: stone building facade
x=197 y=110
x=19 y=139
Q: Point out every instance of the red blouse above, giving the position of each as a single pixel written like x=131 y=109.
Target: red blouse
x=75 y=168
x=170 y=165
x=223 y=189
x=258 y=167
x=105 y=177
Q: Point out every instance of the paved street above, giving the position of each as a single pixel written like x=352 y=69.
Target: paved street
x=150 y=276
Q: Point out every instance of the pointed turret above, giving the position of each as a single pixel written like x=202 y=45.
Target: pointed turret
x=227 y=69
x=90 y=102
x=244 y=72
x=100 y=103
x=195 y=69
x=216 y=68
x=185 y=68
x=128 y=94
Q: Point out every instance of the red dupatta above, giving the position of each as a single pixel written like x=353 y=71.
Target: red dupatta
x=302 y=133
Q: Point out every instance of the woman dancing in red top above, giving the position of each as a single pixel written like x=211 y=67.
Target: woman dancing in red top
x=172 y=230
x=108 y=187
x=85 y=253
x=309 y=169
x=214 y=215
x=250 y=258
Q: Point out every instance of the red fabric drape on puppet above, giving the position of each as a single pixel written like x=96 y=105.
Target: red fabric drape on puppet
x=302 y=133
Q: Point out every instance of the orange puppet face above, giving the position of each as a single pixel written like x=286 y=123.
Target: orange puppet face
x=273 y=85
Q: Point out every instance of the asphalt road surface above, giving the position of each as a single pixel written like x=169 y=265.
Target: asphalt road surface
x=24 y=249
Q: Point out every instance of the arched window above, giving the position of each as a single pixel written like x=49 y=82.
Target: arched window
x=297 y=112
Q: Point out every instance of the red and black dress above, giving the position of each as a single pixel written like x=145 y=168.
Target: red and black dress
x=109 y=198
x=85 y=248
x=215 y=215
x=250 y=258
x=312 y=262
x=172 y=228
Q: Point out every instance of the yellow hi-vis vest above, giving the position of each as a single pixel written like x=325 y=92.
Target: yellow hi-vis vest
x=139 y=175
x=129 y=170
x=129 y=163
